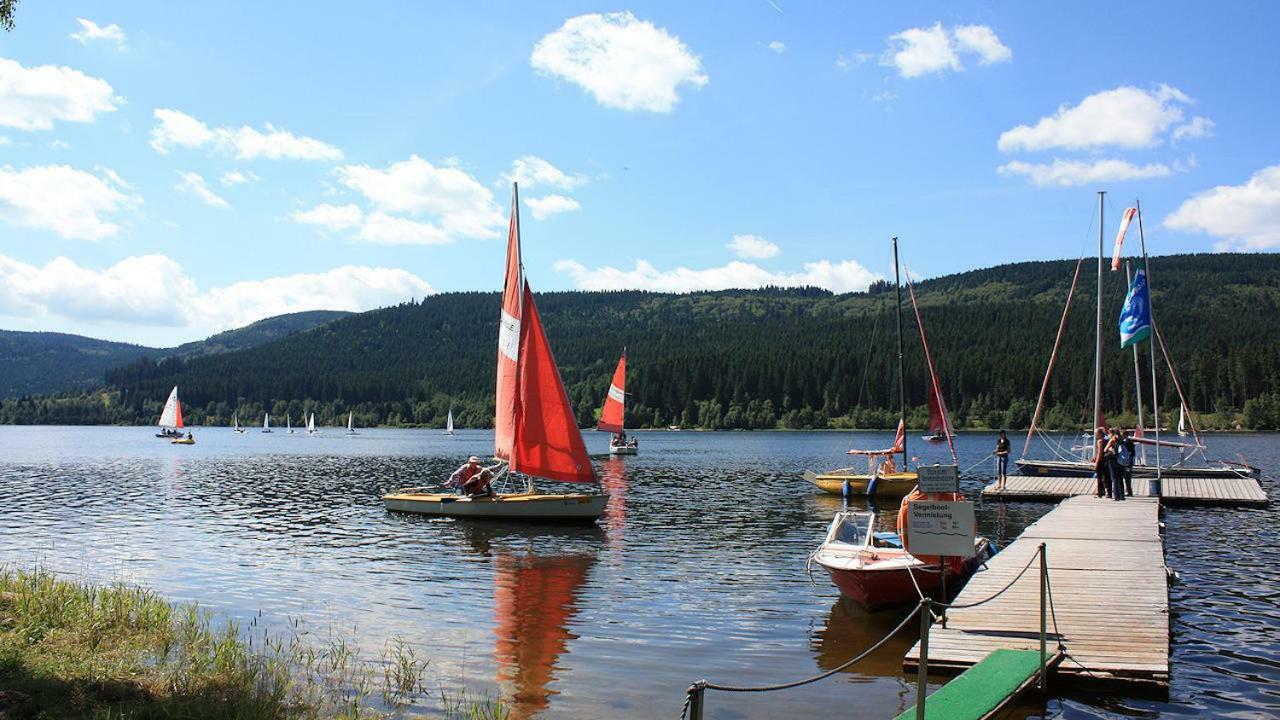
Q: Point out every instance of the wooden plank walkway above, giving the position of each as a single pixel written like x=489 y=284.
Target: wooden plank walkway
x=1109 y=588
x=1177 y=491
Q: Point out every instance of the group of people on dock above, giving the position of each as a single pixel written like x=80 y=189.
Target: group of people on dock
x=1113 y=455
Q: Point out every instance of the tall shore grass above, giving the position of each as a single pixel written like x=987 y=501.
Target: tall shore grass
x=75 y=650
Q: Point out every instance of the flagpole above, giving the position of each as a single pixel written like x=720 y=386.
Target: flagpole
x=1156 y=489
x=902 y=379
x=1097 y=354
x=1137 y=369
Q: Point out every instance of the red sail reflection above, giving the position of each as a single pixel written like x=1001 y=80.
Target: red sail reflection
x=535 y=598
x=614 y=481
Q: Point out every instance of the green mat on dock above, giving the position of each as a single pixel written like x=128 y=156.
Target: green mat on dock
x=982 y=688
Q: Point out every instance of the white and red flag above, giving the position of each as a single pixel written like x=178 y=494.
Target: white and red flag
x=1124 y=226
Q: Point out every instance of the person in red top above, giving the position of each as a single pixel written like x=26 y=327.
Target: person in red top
x=459 y=478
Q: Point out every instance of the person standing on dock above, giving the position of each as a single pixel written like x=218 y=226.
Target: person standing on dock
x=1100 y=463
x=1114 y=463
x=1002 y=459
x=1127 y=454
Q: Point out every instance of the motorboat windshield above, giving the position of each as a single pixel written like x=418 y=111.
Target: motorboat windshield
x=851 y=527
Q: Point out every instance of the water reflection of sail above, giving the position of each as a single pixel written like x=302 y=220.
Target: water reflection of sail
x=535 y=598
x=614 y=481
x=851 y=629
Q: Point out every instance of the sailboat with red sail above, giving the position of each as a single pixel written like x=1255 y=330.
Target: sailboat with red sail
x=611 y=415
x=536 y=433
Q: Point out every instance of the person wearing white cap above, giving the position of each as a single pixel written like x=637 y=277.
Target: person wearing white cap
x=469 y=469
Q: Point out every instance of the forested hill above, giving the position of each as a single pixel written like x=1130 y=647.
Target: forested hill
x=766 y=358
x=42 y=362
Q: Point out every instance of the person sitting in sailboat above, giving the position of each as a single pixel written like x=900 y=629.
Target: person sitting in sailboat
x=459 y=478
x=479 y=484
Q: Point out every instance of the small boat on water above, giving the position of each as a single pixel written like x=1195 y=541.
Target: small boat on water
x=235 y=423
x=448 y=423
x=939 y=425
x=351 y=424
x=311 y=424
x=614 y=411
x=535 y=429
x=873 y=569
x=171 y=417
x=188 y=439
x=266 y=423
x=288 y=423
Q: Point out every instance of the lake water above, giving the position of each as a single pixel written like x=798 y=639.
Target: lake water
x=697 y=570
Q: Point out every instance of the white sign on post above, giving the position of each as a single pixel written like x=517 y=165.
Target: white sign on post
x=940 y=528
x=938 y=478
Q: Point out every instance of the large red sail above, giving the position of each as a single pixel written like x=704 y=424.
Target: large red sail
x=548 y=443
x=615 y=399
x=505 y=411
x=937 y=423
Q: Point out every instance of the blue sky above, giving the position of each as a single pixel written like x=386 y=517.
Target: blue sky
x=168 y=170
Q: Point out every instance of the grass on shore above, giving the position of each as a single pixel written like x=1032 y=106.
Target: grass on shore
x=73 y=650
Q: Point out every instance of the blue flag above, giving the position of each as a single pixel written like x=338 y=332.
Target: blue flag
x=1135 y=316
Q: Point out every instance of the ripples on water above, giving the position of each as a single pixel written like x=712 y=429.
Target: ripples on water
x=697 y=570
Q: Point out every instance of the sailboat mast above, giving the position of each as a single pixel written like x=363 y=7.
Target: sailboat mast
x=1137 y=369
x=902 y=380
x=1097 y=352
x=1155 y=396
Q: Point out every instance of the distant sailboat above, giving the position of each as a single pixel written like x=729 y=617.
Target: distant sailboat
x=266 y=423
x=311 y=424
x=171 y=417
x=448 y=423
x=535 y=428
x=351 y=424
x=1182 y=420
x=288 y=423
x=611 y=415
x=235 y=422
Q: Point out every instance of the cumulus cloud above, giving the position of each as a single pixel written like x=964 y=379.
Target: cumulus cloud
x=622 y=61
x=457 y=204
x=34 y=98
x=236 y=177
x=331 y=217
x=384 y=229
x=1199 y=127
x=141 y=291
x=90 y=31
x=531 y=171
x=1241 y=216
x=753 y=247
x=194 y=184
x=919 y=51
x=1127 y=117
x=544 y=207
x=841 y=277
x=75 y=204
x=1066 y=173
x=178 y=129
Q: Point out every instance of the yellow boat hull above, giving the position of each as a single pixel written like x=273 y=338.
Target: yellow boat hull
x=183 y=441
x=515 y=506
x=888 y=485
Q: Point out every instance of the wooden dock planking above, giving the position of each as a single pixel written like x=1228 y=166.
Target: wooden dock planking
x=1109 y=588
x=1245 y=491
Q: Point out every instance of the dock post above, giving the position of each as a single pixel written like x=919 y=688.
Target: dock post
x=696 y=693
x=922 y=670
x=1042 y=682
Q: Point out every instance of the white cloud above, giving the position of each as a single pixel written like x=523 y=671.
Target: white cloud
x=623 y=62
x=141 y=291
x=72 y=203
x=753 y=246
x=331 y=217
x=1199 y=127
x=545 y=207
x=178 y=129
x=1066 y=173
x=919 y=51
x=384 y=229
x=841 y=277
x=1242 y=216
x=34 y=98
x=531 y=171
x=777 y=46
x=981 y=40
x=194 y=184
x=59 y=145
x=853 y=59
x=237 y=177
x=90 y=31
x=459 y=204
x=1125 y=117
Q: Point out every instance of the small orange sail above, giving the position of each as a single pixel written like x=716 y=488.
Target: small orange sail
x=178 y=409
x=536 y=430
x=615 y=399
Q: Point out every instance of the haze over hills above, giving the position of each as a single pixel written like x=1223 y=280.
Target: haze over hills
x=756 y=358
x=45 y=362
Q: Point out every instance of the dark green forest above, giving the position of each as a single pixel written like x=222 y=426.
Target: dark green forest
x=771 y=358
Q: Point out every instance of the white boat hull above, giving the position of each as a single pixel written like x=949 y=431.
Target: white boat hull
x=623 y=450
x=514 y=506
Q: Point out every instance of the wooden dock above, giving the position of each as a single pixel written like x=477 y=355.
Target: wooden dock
x=1109 y=588
x=1177 y=491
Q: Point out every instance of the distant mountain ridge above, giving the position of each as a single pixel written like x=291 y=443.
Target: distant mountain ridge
x=37 y=363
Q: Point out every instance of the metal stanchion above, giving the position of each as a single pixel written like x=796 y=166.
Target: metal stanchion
x=922 y=671
x=1042 y=682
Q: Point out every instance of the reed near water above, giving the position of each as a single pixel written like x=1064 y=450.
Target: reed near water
x=75 y=650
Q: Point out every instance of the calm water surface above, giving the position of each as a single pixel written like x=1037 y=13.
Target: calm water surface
x=698 y=569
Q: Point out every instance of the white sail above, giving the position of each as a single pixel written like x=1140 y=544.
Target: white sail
x=288 y=422
x=311 y=424
x=235 y=421
x=171 y=417
x=1182 y=420
x=448 y=423
x=266 y=422
x=351 y=423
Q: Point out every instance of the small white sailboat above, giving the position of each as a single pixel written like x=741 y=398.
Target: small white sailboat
x=235 y=423
x=351 y=424
x=311 y=424
x=535 y=428
x=171 y=417
x=614 y=410
x=288 y=423
x=1182 y=420
x=448 y=423
x=266 y=423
